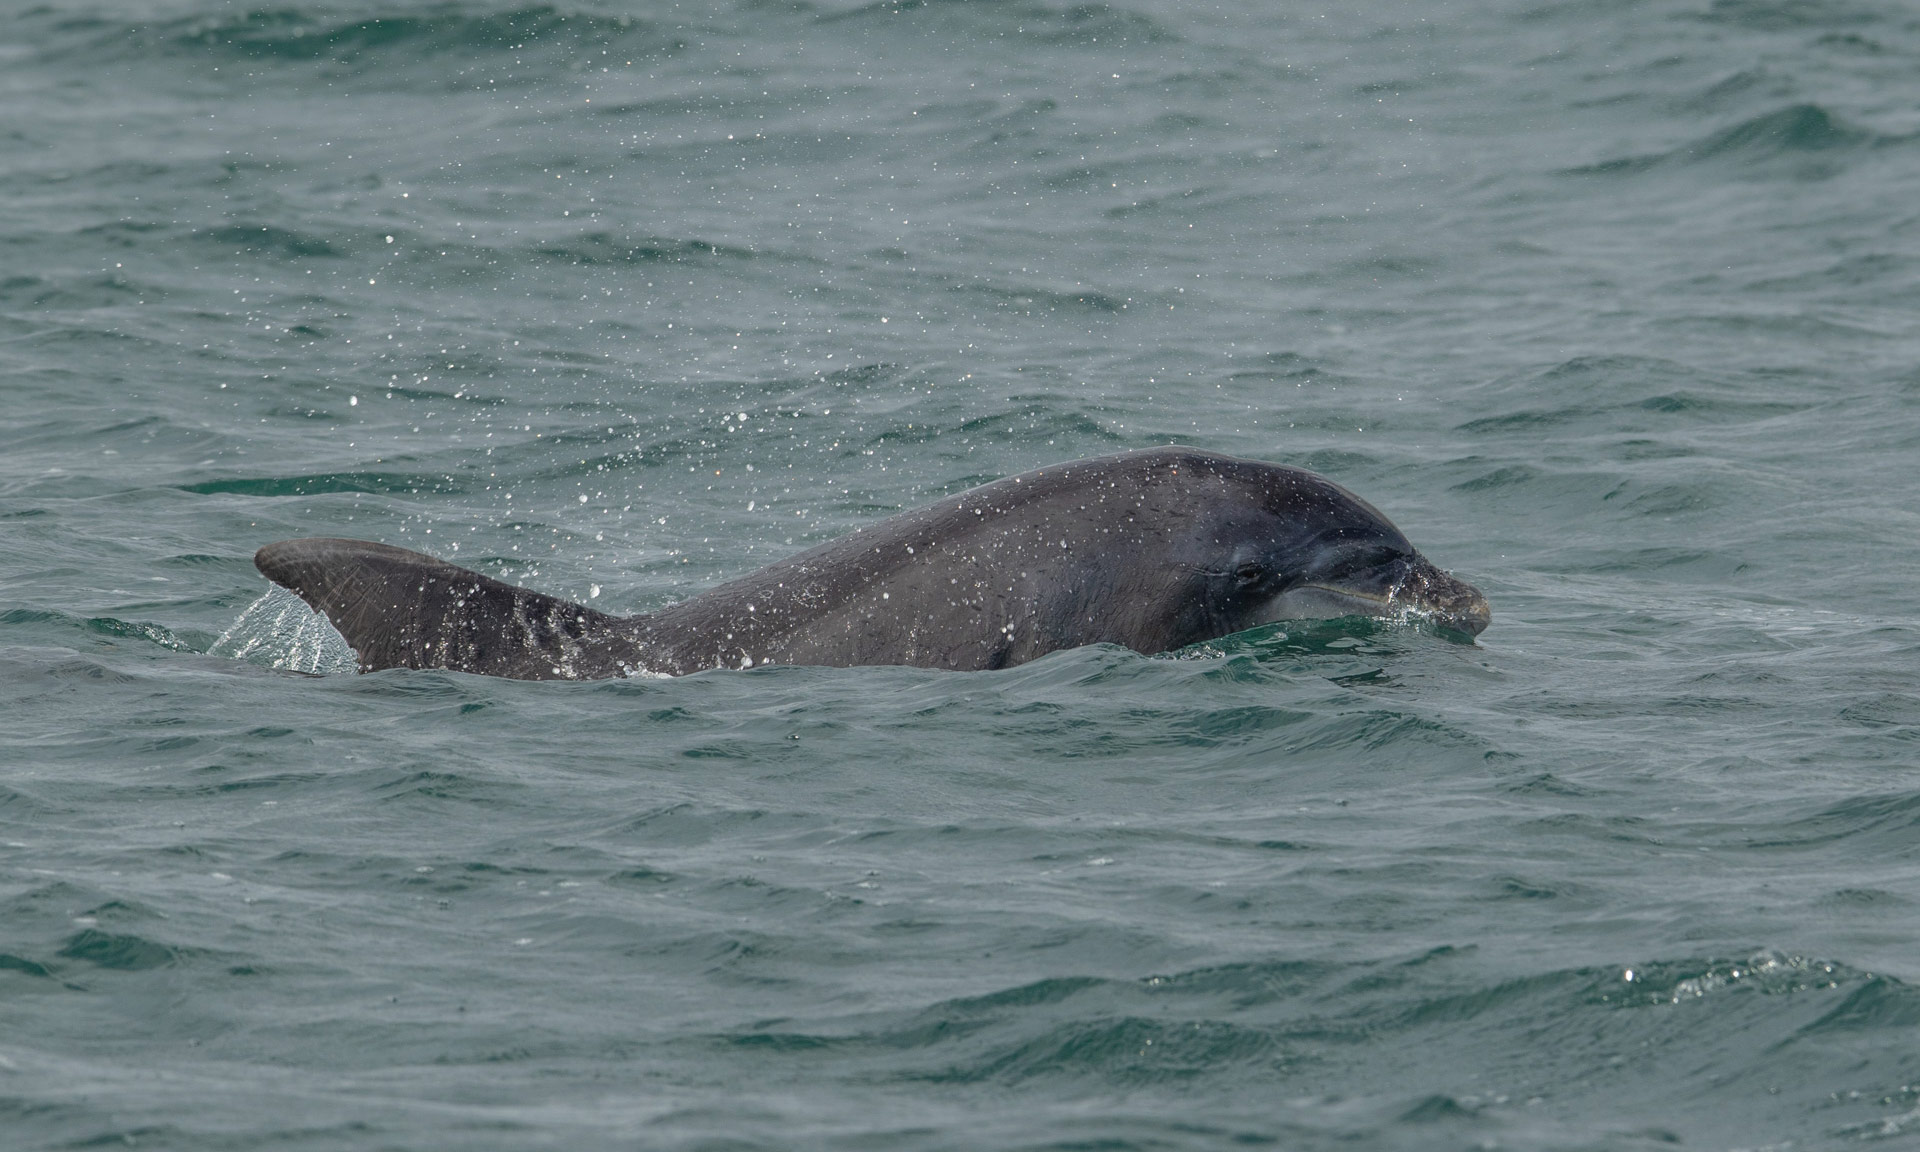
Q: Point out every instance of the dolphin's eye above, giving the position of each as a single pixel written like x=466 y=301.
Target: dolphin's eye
x=1249 y=573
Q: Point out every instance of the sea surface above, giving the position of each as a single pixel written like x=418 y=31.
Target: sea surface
x=1614 y=307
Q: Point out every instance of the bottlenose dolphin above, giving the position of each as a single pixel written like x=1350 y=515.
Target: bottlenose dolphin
x=1154 y=550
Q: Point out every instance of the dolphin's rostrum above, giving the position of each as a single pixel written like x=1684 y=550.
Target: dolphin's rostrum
x=1153 y=550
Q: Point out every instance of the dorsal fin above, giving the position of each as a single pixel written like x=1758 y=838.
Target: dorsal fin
x=401 y=609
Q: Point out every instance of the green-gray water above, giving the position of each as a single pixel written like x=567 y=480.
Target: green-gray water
x=1612 y=307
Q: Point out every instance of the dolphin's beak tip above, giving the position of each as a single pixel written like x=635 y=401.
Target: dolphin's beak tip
x=1456 y=605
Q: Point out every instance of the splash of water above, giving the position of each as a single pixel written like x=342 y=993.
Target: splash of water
x=280 y=631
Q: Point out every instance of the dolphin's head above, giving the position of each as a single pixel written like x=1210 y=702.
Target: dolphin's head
x=1290 y=545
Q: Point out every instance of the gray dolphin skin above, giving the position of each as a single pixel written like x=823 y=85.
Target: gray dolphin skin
x=1153 y=550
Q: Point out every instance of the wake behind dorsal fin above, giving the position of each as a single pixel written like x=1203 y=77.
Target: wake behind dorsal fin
x=401 y=609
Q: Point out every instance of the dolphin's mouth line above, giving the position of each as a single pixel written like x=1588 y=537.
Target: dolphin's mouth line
x=1410 y=597
x=1349 y=593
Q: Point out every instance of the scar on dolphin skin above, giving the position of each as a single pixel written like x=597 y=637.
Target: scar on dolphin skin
x=1154 y=550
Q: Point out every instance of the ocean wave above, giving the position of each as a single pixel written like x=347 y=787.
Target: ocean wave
x=1030 y=300
x=270 y=240
x=606 y=248
x=1807 y=138
x=111 y=627
x=1089 y=26
x=1260 y=1018
x=378 y=37
x=1789 y=15
x=121 y=951
x=320 y=483
x=1798 y=128
x=1624 y=393
x=1856 y=820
